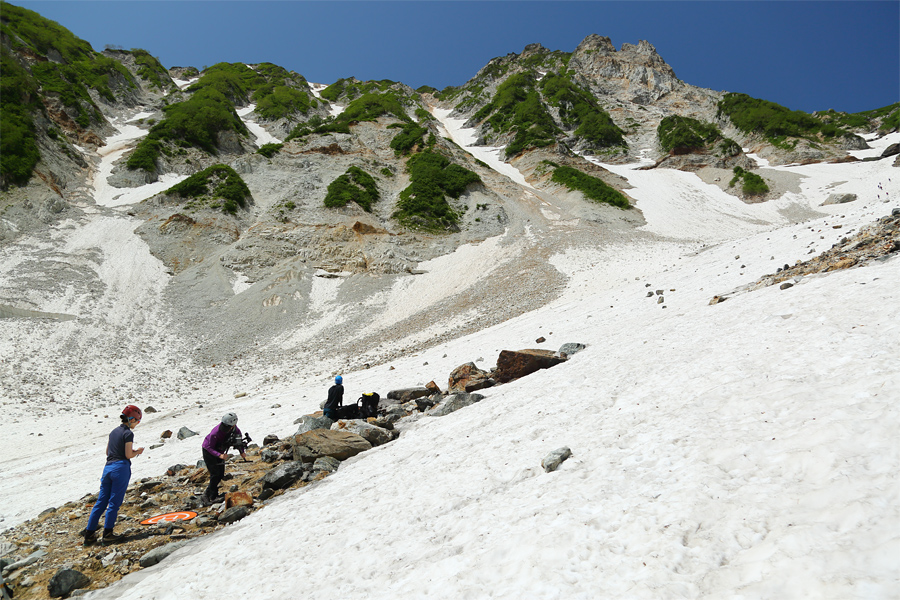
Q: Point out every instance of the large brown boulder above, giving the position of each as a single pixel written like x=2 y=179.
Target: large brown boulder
x=326 y=442
x=512 y=364
x=469 y=378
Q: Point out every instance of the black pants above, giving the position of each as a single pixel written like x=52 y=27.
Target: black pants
x=216 y=468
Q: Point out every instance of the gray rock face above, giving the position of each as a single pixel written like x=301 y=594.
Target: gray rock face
x=65 y=581
x=185 y=433
x=235 y=513
x=453 y=403
x=573 y=347
x=839 y=199
x=891 y=150
x=407 y=394
x=309 y=423
x=372 y=434
x=158 y=554
x=284 y=475
x=553 y=460
x=327 y=464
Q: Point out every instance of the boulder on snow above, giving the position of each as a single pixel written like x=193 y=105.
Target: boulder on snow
x=325 y=442
x=327 y=464
x=235 y=513
x=371 y=433
x=158 y=554
x=284 y=475
x=573 y=347
x=454 y=402
x=513 y=364
x=839 y=199
x=312 y=422
x=185 y=433
x=406 y=394
x=553 y=460
x=469 y=378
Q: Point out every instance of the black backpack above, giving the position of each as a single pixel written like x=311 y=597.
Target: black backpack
x=368 y=405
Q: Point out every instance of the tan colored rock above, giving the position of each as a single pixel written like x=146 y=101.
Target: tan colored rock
x=238 y=499
x=338 y=444
x=468 y=378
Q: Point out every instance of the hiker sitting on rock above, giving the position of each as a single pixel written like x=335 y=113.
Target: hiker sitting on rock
x=116 y=475
x=215 y=453
x=335 y=399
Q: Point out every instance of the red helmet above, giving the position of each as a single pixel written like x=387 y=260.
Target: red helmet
x=132 y=412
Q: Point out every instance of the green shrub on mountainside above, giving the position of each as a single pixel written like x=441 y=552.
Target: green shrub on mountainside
x=370 y=106
x=353 y=186
x=196 y=122
x=410 y=135
x=753 y=184
x=270 y=150
x=75 y=67
x=19 y=152
x=353 y=89
x=684 y=132
x=423 y=205
x=426 y=89
x=517 y=108
x=889 y=116
x=276 y=92
x=218 y=182
x=579 y=110
x=773 y=121
x=592 y=187
x=151 y=69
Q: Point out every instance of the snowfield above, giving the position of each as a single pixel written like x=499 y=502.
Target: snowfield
x=747 y=449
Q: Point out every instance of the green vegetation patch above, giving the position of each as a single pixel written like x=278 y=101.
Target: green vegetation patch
x=270 y=150
x=18 y=100
x=592 y=187
x=410 y=136
x=423 y=205
x=277 y=92
x=677 y=132
x=516 y=107
x=150 y=69
x=579 y=110
x=753 y=184
x=196 y=122
x=218 y=182
x=775 y=122
x=353 y=186
x=74 y=68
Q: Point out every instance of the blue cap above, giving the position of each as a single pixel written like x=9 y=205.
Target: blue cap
x=339 y=380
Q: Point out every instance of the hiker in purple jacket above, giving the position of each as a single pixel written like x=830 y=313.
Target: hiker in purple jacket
x=215 y=453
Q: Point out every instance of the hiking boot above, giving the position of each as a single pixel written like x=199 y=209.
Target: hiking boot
x=110 y=536
x=90 y=537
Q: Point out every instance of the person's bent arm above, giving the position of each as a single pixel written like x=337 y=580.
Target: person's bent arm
x=131 y=452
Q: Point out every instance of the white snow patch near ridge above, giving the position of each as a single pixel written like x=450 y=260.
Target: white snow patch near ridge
x=262 y=136
x=466 y=138
x=116 y=147
x=742 y=450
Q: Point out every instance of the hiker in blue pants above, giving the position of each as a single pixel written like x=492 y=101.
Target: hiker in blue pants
x=116 y=475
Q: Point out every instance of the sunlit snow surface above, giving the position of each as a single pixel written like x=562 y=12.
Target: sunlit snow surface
x=742 y=450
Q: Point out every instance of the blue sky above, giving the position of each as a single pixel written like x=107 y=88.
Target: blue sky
x=809 y=55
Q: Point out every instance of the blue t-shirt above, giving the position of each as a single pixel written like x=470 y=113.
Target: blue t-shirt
x=115 y=448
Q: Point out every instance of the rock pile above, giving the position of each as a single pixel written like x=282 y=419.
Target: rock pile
x=44 y=557
x=876 y=242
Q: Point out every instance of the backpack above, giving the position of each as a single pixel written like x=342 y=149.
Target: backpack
x=368 y=405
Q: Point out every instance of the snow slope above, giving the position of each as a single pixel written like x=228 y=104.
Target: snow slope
x=742 y=450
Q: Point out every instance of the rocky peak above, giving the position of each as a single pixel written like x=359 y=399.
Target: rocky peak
x=636 y=73
x=532 y=49
x=595 y=43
